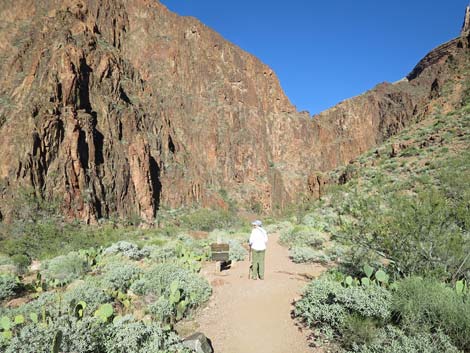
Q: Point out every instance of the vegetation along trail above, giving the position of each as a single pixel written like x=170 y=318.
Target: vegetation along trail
x=247 y=316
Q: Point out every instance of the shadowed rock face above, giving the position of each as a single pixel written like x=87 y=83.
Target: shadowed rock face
x=119 y=107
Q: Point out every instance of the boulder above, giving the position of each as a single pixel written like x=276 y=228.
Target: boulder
x=198 y=343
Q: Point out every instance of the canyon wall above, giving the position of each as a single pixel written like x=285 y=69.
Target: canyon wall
x=118 y=108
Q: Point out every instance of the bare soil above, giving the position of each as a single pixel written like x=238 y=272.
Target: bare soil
x=248 y=316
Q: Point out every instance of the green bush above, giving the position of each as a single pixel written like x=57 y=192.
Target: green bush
x=89 y=293
x=301 y=235
x=328 y=306
x=358 y=331
x=120 y=276
x=129 y=336
x=162 y=309
x=127 y=249
x=393 y=340
x=89 y=335
x=206 y=220
x=5 y=260
x=84 y=336
x=417 y=234
x=8 y=286
x=237 y=252
x=308 y=255
x=427 y=303
x=157 y=281
x=163 y=254
x=64 y=269
x=21 y=262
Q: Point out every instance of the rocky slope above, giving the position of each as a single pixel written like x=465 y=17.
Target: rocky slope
x=121 y=107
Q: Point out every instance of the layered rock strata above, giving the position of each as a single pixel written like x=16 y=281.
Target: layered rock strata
x=118 y=108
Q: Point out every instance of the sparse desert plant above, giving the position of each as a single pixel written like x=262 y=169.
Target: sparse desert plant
x=64 y=269
x=8 y=286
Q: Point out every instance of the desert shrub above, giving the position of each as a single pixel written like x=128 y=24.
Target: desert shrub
x=328 y=306
x=418 y=234
x=237 y=252
x=301 y=235
x=157 y=281
x=282 y=227
x=129 y=336
x=161 y=309
x=77 y=336
x=426 y=303
x=392 y=340
x=48 y=237
x=358 y=331
x=21 y=262
x=308 y=255
x=50 y=303
x=127 y=249
x=64 y=269
x=5 y=260
x=90 y=294
x=88 y=335
x=206 y=219
x=119 y=276
x=11 y=270
x=8 y=286
x=163 y=254
x=30 y=339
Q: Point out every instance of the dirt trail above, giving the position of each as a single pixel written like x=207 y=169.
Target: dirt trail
x=247 y=316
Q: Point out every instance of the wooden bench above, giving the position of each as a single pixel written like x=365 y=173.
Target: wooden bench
x=220 y=254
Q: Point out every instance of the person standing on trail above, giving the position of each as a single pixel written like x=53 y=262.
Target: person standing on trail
x=258 y=241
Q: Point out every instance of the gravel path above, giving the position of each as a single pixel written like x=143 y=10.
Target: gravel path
x=247 y=316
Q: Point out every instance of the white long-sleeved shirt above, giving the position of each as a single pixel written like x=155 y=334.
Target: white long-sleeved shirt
x=258 y=239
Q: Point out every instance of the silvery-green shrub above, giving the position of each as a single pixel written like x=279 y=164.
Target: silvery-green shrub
x=130 y=336
x=64 y=269
x=391 y=339
x=308 y=255
x=89 y=293
x=161 y=309
x=127 y=249
x=8 y=286
x=326 y=303
x=119 y=276
x=237 y=252
x=157 y=281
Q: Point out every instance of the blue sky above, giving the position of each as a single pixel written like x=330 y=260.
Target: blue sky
x=325 y=51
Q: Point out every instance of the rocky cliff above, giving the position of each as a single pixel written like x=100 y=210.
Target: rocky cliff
x=120 y=107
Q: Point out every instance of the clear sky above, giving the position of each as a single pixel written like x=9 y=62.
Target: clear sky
x=325 y=51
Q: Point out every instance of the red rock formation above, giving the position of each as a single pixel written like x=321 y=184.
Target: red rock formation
x=120 y=106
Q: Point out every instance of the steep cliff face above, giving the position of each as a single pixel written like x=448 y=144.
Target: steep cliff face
x=120 y=107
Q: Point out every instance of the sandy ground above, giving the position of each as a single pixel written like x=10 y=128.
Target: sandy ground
x=248 y=316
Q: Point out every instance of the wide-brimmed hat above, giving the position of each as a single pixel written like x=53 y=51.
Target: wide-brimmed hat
x=257 y=223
